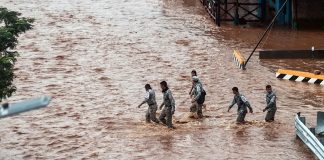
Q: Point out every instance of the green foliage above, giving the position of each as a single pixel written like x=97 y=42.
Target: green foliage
x=11 y=25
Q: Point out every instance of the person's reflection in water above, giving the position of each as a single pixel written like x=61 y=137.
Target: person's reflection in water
x=239 y=138
x=241 y=134
x=166 y=142
x=270 y=132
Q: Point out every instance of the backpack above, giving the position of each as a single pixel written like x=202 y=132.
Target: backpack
x=201 y=99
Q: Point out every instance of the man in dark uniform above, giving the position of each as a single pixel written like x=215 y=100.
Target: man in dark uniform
x=169 y=105
x=242 y=105
x=271 y=104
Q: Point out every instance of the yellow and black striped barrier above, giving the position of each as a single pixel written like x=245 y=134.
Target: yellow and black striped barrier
x=299 y=76
x=239 y=60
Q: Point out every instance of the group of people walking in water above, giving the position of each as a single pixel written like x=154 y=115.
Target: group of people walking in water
x=197 y=94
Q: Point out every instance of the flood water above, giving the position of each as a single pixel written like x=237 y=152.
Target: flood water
x=95 y=56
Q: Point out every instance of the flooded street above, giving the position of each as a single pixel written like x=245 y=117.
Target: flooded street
x=95 y=56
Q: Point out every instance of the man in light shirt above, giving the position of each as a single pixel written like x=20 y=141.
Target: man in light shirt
x=194 y=74
x=152 y=105
x=198 y=97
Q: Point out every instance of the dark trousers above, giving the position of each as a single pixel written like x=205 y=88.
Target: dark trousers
x=195 y=107
x=166 y=113
x=241 y=116
x=151 y=114
x=270 y=115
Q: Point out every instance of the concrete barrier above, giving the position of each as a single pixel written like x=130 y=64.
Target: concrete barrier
x=292 y=54
x=299 y=76
x=239 y=60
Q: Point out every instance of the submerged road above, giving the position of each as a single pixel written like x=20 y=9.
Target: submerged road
x=93 y=57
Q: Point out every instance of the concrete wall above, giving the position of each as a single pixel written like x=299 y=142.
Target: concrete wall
x=310 y=9
x=310 y=13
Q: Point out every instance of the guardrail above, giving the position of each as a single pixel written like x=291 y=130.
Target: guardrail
x=308 y=137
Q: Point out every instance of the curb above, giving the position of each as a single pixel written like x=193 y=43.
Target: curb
x=299 y=76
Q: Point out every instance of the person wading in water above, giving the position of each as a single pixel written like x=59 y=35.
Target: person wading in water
x=169 y=105
x=271 y=104
x=152 y=106
x=242 y=105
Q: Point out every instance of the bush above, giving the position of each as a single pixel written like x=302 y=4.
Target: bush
x=11 y=26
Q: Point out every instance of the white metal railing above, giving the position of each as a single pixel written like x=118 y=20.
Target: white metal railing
x=309 y=138
x=10 y=109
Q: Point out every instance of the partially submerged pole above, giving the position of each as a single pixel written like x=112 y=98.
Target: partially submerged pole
x=9 y=109
x=268 y=28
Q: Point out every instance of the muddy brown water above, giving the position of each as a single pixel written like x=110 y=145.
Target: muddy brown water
x=95 y=56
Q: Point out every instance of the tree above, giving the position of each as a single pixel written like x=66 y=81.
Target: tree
x=11 y=26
